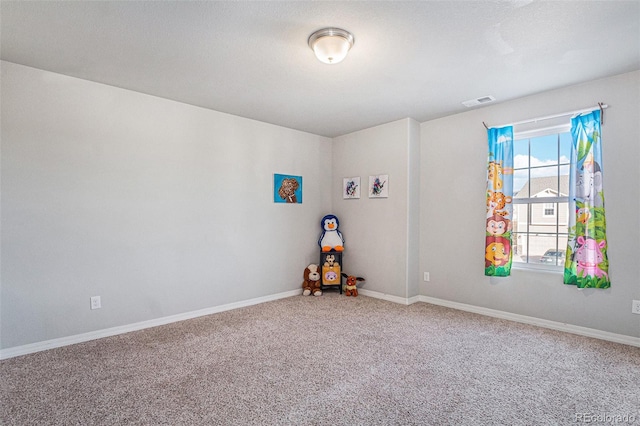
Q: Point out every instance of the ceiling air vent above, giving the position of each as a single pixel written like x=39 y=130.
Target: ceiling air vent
x=479 y=101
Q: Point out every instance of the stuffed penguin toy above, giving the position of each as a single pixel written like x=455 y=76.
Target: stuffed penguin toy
x=331 y=238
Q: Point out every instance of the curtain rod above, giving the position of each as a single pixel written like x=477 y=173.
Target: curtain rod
x=600 y=106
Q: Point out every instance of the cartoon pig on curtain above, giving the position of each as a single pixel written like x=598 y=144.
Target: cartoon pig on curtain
x=586 y=264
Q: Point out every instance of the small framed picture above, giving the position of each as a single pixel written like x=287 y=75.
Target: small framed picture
x=287 y=189
x=379 y=186
x=351 y=187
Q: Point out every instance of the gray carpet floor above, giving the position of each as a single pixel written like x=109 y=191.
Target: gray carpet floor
x=330 y=360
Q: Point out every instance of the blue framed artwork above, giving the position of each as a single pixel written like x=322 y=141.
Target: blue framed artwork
x=287 y=189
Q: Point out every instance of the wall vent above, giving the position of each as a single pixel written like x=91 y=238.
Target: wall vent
x=479 y=101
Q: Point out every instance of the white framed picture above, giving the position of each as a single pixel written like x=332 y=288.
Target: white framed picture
x=351 y=187
x=379 y=186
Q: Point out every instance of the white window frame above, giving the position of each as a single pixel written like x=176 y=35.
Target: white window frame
x=531 y=134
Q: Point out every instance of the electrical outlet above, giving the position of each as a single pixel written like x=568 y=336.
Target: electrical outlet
x=95 y=302
x=635 y=307
x=426 y=276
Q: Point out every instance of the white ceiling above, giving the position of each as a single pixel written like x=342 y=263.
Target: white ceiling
x=410 y=59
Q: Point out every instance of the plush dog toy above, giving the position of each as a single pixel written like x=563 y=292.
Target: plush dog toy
x=311 y=283
x=351 y=289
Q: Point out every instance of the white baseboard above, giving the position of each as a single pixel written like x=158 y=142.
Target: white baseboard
x=388 y=297
x=98 y=334
x=554 y=325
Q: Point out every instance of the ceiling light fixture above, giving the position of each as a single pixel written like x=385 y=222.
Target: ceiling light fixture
x=331 y=44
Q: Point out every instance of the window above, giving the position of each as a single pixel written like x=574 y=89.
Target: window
x=540 y=200
x=549 y=210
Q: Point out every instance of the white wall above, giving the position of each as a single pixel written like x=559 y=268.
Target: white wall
x=158 y=207
x=413 y=218
x=453 y=167
x=163 y=208
x=380 y=233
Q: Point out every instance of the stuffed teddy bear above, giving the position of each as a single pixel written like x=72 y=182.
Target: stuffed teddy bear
x=329 y=260
x=311 y=283
x=351 y=289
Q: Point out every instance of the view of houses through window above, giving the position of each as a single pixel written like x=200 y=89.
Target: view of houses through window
x=540 y=199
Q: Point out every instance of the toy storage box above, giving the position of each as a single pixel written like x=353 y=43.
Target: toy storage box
x=330 y=267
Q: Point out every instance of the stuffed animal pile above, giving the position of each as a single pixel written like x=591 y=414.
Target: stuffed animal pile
x=331 y=243
x=311 y=283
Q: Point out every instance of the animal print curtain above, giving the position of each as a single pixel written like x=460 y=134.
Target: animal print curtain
x=586 y=263
x=497 y=255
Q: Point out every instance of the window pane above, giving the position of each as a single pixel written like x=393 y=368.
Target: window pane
x=562 y=249
x=540 y=247
x=556 y=249
x=520 y=217
x=544 y=150
x=519 y=242
x=565 y=148
x=544 y=182
x=564 y=181
x=521 y=154
x=563 y=218
x=520 y=178
x=540 y=220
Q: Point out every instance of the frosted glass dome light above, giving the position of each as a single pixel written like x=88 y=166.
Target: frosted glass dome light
x=331 y=45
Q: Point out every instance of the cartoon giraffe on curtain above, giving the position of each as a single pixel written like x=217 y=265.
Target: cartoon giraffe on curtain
x=497 y=254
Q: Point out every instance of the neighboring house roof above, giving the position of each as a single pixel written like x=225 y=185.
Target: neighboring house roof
x=540 y=184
